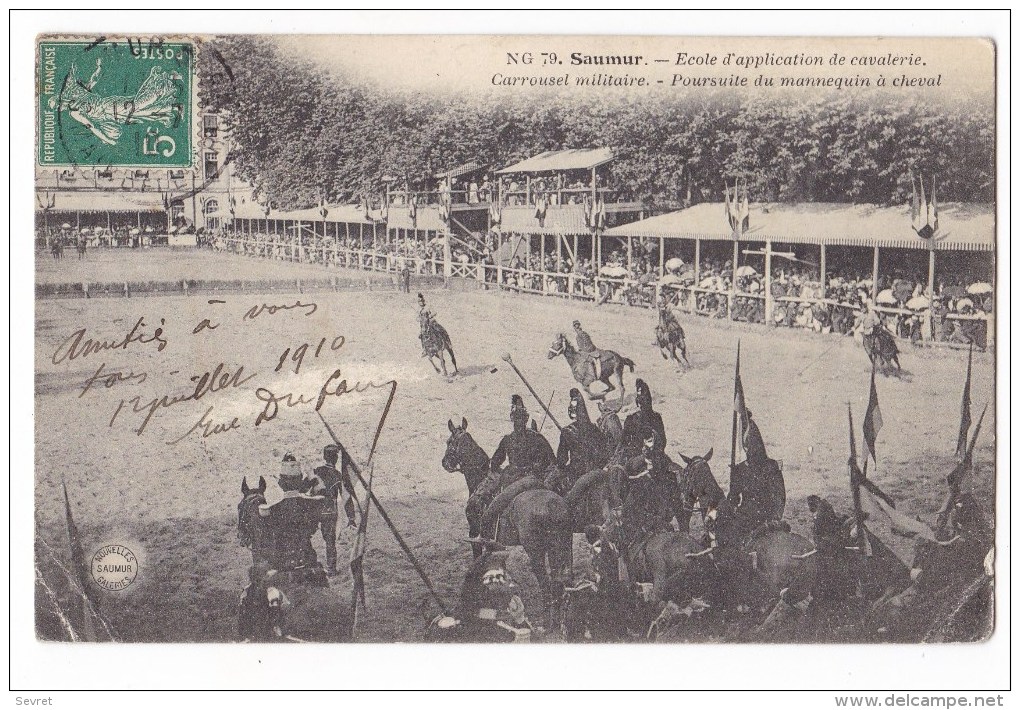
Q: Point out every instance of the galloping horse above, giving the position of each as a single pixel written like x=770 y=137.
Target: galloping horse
x=538 y=520
x=583 y=368
x=283 y=605
x=880 y=345
x=434 y=341
x=669 y=335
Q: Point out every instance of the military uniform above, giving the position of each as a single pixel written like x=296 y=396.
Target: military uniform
x=582 y=446
x=587 y=348
x=292 y=523
x=637 y=423
x=332 y=484
x=528 y=456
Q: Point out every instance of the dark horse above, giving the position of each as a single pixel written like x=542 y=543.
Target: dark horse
x=669 y=335
x=583 y=367
x=435 y=341
x=880 y=345
x=763 y=566
x=538 y=520
x=282 y=605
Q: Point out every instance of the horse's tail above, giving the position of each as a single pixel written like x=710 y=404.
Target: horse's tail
x=627 y=362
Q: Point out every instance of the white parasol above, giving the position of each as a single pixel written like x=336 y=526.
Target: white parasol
x=979 y=289
x=613 y=271
x=746 y=270
x=674 y=264
x=918 y=303
x=886 y=297
x=671 y=280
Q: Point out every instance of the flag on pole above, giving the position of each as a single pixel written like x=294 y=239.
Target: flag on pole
x=872 y=422
x=744 y=211
x=915 y=205
x=731 y=216
x=740 y=417
x=965 y=421
x=358 y=551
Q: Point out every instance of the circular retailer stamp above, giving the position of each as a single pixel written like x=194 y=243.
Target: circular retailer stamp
x=114 y=567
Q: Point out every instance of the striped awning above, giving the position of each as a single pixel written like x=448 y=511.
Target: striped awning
x=962 y=226
x=560 y=160
x=353 y=214
x=98 y=201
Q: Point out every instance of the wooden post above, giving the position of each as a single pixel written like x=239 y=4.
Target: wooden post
x=822 y=270
x=733 y=279
x=874 y=276
x=928 y=319
x=630 y=257
x=697 y=261
x=662 y=257
x=559 y=252
x=768 y=283
x=541 y=251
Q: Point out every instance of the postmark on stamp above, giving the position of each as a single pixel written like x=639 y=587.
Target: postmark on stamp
x=114 y=567
x=115 y=102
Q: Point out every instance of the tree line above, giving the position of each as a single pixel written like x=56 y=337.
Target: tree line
x=301 y=133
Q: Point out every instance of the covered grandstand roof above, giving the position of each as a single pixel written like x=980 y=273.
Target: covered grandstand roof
x=464 y=169
x=962 y=226
x=559 y=160
x=335 y=213
x=99 y=201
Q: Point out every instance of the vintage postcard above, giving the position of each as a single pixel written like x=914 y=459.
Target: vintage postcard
x=515 y=339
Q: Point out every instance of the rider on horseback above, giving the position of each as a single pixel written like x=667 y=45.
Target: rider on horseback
x=528 y=456
x=292 y=521
x=582 y=446
x=586 y=347
x=425 y=318
x=644 y=418
x=643 y=490
x=757 y=489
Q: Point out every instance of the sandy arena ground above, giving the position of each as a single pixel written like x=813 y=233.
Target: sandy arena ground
x=174 y=505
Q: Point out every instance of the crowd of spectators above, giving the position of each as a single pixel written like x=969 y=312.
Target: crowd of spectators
x=961 y=301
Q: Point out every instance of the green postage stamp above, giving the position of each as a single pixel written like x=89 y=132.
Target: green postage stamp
x=115 y=102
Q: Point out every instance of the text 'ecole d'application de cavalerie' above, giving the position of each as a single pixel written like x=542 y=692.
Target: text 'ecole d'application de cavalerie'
x=514 y=339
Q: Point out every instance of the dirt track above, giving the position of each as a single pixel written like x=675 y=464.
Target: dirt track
x=175 y=505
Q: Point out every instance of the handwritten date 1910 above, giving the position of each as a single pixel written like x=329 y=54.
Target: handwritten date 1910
x=298 y=355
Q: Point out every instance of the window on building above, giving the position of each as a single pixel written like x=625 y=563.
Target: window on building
x=211 y=126
x=211 y=206
x=212 y=167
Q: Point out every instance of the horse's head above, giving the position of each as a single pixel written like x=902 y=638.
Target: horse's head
x=458 y=445
x=558 y=347
x=697 y=483
x=248 y=511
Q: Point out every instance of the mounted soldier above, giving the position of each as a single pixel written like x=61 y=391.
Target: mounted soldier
x=332 y=483
x=757 y=489
x=528 y=457
x=644 y=418
x=425 y=319
x=587 y=348
x=291 y=523
x=644 y=491
x=582 y=446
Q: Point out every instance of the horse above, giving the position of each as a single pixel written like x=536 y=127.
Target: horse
x=880 y=345
x=768 y=565
x=283 y=605
x=583 y=368
x=82 y=247
x=537 y=519
x=669 y=335
x=434 y=341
